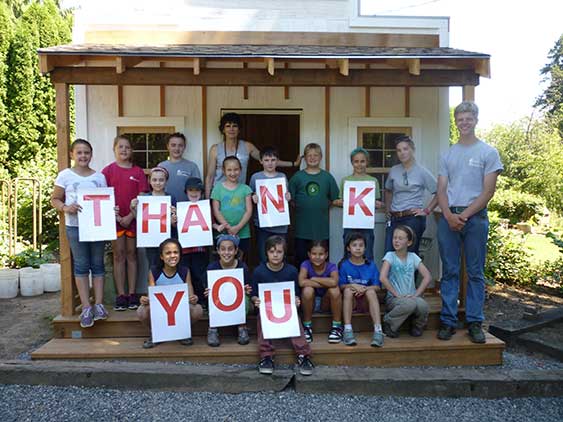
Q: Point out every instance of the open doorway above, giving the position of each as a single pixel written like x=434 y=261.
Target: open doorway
x=280 y=131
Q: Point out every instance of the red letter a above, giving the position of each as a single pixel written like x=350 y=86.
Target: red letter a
x=170 y=309
x=97 y=210
x=359 y=201
x=279 y=204
x=198 y=221
x=148 y=216
x=286 y=304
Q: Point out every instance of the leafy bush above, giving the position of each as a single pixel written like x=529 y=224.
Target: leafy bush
x=517 y=206
x=28 y=258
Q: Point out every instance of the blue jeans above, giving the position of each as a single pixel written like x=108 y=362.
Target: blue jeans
x=473 y=239
x=418 y=224
x=261 y=236
x=86 y=256
x=368 y=236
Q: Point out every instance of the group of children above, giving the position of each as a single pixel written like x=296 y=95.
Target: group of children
x=320 y=285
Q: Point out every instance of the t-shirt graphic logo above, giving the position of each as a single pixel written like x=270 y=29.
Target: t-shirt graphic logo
x=133 y=179
x=182 y=173
x=312 y=189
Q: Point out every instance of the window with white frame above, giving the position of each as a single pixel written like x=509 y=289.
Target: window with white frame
x=148 y=143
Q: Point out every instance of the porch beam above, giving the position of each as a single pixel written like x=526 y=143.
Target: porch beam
x=196 y=65
x=343 y=67
x=483 y=67
x=468 y=93
x=122 y=63
x=48 y=63
x=270 y=65
x=257 y=77
x=414 y=66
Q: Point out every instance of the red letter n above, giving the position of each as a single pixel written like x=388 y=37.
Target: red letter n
x=279 y=204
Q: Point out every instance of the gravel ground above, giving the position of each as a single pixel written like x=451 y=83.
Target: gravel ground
x=39 y=403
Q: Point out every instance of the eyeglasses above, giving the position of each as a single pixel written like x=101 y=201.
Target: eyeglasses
x=405 y=179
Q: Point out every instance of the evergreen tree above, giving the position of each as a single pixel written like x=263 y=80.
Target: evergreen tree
x=6 y=28
x=551 y=100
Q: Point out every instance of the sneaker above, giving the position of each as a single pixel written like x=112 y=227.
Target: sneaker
x=305 y=365
x=388 y=331
x=476 y=333
x=133 y=301
x=213 y=337
x=87 y=317
x=148 y=344
x=186 y=342
x=121 y=303
x=243 y=338
x=335 y=335
x=348 y=338
x=308 y=331
x=100 y=312
x=377 y=339
x=416 y=332
x=266 y=366
x=445 y=332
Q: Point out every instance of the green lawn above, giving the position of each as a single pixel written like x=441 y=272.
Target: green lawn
x=542 y=248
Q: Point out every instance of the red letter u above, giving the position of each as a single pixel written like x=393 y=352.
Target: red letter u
x=286 y=305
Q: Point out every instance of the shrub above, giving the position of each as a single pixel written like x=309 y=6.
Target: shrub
x=517 y=206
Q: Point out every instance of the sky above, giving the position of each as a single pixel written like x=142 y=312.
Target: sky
x=518 y=35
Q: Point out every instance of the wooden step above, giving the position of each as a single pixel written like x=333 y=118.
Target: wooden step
x=402 y=351
x=126 y=324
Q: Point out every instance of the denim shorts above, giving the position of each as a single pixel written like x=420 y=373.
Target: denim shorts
x=86 y=256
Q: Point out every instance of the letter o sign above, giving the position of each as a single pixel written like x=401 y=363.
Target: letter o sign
x=215 y=294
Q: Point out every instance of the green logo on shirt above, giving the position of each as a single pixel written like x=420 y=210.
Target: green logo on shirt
x=312 y=189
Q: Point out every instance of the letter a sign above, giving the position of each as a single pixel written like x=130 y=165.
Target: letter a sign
x=359 y=205
x=170 y=312
x=153 y=220
x=278 y=313
x=272 y=206
x=226 y=297
x=96 y=221
x=194 y=223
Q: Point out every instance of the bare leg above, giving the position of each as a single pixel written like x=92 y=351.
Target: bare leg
x=307 y=302
x=335 y=303
x=118 y=247
x=98 y=289
x=131 y=254
x=348 y=306
x=371 y=297
x=83 y=287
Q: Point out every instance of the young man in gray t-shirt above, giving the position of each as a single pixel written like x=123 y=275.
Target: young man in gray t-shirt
x=179 y=169
x=467 y=180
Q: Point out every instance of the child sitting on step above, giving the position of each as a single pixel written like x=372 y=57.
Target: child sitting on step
x=398 y=276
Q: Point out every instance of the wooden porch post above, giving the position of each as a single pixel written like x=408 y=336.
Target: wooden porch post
x=468 y=93
x=68 y=289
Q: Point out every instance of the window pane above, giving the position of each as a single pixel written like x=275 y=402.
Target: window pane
x=157 y=140
x=140 y=159
x=138 y=140
x=372 y=140
x=376 y=158
x=156 y=157
x=390 y=139
x=390 y=159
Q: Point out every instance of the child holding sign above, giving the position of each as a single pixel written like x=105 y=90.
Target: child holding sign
x=397 y=275
x=227 y=249
x=87 y=257
x=360 y=160
x=128 y=181
x=269 y=159
x=232 y=203
x=158 y=177
x=169 y=272
x=318 y=280
x=273 y=271
x=359 y=281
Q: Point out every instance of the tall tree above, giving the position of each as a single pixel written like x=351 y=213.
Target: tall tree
x=551 y=100
x=6 y=32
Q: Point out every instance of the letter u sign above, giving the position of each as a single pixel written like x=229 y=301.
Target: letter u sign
x=278 y=314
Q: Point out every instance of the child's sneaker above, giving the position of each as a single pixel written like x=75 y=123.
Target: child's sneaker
x=377 y=339
x=335 y=335
x=121 y=303
x=266 y=366
x=388 y=331
x=100 y=312
x=308 y=331
x=87 y=317
x=186 y=341
x=148 y=344
x=213 y=337
x=305 y=365
x=243 y=338
x=348 y=338
x=134 y=302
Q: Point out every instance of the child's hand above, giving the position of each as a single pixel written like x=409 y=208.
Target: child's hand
x=288 y=196
x=297 y=162
x=247 y=289
x=173 y=215
x=206 y=292
x=338 y=202
x=116 y=209
x=255 y=198
x=297 y=301
x=233 y=230
x=134 y=203
x=73 y=208
x=144 y=300
x=193 y=299
x=379 y=204
x=125 y=221
x=256 y=303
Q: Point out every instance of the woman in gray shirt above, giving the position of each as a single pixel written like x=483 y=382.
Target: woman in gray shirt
x=404 y=194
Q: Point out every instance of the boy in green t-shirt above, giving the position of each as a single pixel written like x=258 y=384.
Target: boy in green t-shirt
x=312 y=190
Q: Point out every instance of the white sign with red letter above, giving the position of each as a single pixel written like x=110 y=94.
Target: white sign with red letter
x=226 y=297
x=278 y=311
x=194 y=223
x=153 y=220
x=273 y=209
x=359 y=205
x=96 y=221
x=170 y=312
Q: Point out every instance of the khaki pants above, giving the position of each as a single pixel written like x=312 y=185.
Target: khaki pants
x=398 y=309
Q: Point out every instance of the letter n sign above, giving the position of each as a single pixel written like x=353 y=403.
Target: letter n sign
x=272 y=207
x=226 y=297
x=278 y=313
x=170 y=312
x=359 y=205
